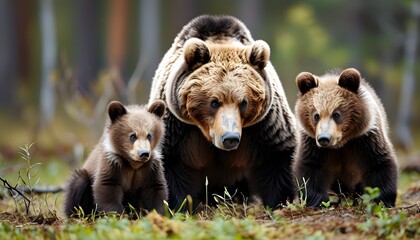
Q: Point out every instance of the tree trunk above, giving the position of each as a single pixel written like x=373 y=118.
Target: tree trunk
x=48 y=40
x=87 y=44
x=8 y=56
x=404 y=137
x=149 y=37
x=117 y=26
x=250 y=15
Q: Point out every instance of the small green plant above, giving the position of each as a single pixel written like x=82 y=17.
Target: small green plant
x=303 y=192
x=25 y=192
x=22 y=191
x=178 y=213
x=371 y=207
x=228 y=207
x=379 y=220
x=326 y=204
x=348 y=202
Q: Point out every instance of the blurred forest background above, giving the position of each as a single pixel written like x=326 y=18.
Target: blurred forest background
x=61 y=62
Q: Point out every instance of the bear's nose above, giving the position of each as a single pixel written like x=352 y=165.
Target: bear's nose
x=231 y=140
x=324 y=139
x=143 y=154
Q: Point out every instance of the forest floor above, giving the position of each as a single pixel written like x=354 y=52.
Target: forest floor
x=43 y=219
x=39 y=216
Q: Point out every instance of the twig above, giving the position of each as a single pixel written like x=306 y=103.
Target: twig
x=409 y=206
x=11 y=188
x=41 y=190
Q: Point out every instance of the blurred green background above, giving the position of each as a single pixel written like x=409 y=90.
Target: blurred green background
x=61 y=62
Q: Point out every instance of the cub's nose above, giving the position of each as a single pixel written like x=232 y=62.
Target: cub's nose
x=324 y=139
x=143 y=154
x=231 y=140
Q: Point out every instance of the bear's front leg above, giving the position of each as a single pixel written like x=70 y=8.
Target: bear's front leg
x=180 y=185
x=311 y=175
x=153 y=197
x=273 y=179
x=312 y=184
x=108 y=195
x=384 y=175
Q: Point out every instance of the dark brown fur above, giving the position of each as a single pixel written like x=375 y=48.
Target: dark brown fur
x=218 y=84
x=125 y=167
x=358 y=153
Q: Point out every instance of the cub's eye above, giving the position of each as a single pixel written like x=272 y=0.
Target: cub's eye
x=336 y=116
x=215 y=104
x=149 y=137
x=133 y=137
x=243 y=105
x=316 y=117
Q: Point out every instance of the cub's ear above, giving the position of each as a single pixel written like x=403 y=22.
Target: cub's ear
x=259 y=54
x=196 y=53
x=157 y=107
x=306 y=81
x=116 y=110
x=350 y=79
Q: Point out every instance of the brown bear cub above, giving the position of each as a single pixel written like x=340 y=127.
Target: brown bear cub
x=343 y=138
x=125 y=167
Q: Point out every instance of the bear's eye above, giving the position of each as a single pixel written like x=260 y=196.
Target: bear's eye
x=149 y=137
x=316 y=117
x=336 y=116
x=133 y=137
x=243 y=105
x=215 y=104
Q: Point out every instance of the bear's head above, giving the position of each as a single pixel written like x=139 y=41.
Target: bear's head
x=332 y=108
x=134 y=132
x=220 y=88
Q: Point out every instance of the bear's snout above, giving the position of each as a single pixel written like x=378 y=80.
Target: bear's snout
x=143 y=154
x=323 y=139
x=231 y=140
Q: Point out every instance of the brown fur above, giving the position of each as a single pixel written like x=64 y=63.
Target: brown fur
x=228 y=117
x=343 y=137
x=125 y=167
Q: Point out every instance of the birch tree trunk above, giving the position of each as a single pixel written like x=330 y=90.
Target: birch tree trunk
x=87 y=44
x=149 y=23
x=48 y=41
x=404 y=136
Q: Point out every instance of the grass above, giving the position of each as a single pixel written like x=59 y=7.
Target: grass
x=32 y=216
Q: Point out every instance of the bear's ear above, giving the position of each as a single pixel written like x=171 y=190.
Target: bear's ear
x=116 y=110
x=157 y=107
x=306 y=81
x=196 y=53
x=350 y=79
x=259 y=54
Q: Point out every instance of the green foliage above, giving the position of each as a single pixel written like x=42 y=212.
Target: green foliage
x=228 y=220
x=372 y=208
x=21 y=191
x=383 y=224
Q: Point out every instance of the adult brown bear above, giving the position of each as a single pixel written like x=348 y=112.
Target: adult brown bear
x=228 y=116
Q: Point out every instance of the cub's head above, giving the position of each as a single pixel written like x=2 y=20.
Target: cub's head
x=221 y=88
x=331 y=108
x=134 y=132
